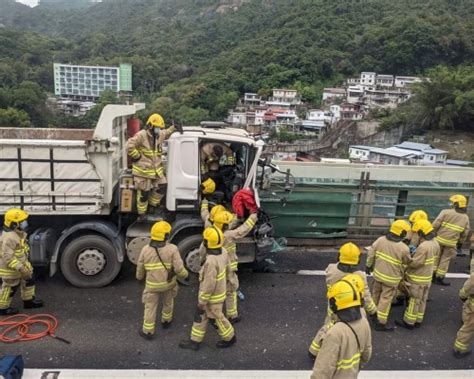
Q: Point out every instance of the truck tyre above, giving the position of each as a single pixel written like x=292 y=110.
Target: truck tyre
x=90 y=261
x=189 y=250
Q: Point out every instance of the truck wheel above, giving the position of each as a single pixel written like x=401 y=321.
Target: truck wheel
x=90 y=261
x=189 y=250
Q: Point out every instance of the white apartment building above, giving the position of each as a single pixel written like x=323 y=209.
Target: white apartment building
x=429 y=154
x=384 y=80
x=87 y=82
x=367 y=78
x=403 y=81
x=252 y=98
x=332 y=93
x=354 y=94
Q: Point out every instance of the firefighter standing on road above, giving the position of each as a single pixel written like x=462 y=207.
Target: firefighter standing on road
x=159 y=263
x=418 y=274
x=452 y=228
x=349 y=258
x=145 y=149
x=466 y=333
x=212 y=294
x=15 y=268
x=386 y=258
x=349 y=342
x=222 y=220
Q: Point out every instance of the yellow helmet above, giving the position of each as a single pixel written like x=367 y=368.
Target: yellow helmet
x=156 y=121
x=349 y=254
x=208 y=186
x=460 y=200
x=343 y=295
x=14 y=215
x=423 y=227
x=400 y=228
x=215 y=210
x=223 y=218
x=357 y=281
x=213 y=238
x=160 y=231
x=417 y=215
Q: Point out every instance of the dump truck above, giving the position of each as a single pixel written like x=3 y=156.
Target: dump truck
x=78 y=189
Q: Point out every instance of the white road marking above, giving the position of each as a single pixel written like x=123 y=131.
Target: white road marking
x=244 y=374
x=323 y=273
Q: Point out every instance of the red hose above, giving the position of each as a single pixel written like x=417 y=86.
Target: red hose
x=17 y=327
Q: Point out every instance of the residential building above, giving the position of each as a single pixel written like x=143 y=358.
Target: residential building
x=350 y=112
x=284 y=98
x=404 y=81
x=333 y=93
x=311 y=127
x=73 y=107
x=360 y=152
x=394 y=156
x=88 y=82
x=237 y=117
x=367 y=78
x=385 y=98
x=252 y=99
x=429 y=154
x=336 y=113
x=384 y=81
x=315 y=115
x=355 y=94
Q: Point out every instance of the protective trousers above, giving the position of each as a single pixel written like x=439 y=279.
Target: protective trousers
x=418 y=295
x=442 y=263
x=9 y=288
x=151 y=301
x=383 y=296
x=214 y=313
x=465 y=334
x=149 y=191
x=231 y=310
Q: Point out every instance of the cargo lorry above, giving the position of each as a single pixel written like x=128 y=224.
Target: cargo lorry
x=78 y=189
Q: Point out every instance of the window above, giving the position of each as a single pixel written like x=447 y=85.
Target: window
x=431 y=157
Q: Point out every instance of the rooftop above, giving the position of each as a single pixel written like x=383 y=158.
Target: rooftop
x=395 y=152
x=423 y=147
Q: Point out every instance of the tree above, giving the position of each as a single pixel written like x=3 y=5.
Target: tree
x=14 y=118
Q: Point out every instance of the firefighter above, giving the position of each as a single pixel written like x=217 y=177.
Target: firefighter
x=418 y=274
x=349 y=258
x=223 y=220
x=212 y=294
x=348 y=343
x=465 y=334
x=145 y=149
x=386 y=258
x=159 y=264
x=452 y=228
x=213 y=156
x=412 y=240
x=15 y=268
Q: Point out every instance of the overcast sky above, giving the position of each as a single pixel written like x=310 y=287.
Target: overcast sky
x=31 y=3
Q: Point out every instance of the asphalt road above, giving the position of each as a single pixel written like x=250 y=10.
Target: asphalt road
x=280 y=315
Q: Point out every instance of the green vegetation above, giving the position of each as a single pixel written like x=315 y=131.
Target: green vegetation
x=445 y=101
x=193 y=59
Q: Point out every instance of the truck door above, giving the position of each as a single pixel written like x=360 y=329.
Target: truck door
x=182 y=173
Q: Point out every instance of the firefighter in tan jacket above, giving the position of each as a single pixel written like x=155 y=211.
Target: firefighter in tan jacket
x=159 y=264
x=348 y=343
x=145 y=149
x=215 y=154
x=15 y=267
x=223 y=221
x=466 y=333
x=452 y=228
x=418 y=274
x=386 y=258
x=212 y=294
x=349 y=258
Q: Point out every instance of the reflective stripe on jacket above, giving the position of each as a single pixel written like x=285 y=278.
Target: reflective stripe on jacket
x=420 y=269
x=451 y=227
x=212 y=279
x=14 y=251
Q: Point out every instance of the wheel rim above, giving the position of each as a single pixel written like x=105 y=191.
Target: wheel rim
x=193 y=261
x=91 y=262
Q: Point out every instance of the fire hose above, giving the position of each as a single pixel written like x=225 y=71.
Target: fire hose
x=24 y=327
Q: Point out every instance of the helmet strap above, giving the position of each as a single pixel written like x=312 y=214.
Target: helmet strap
x=394 y=238
x=344 y=267
x=217 y=251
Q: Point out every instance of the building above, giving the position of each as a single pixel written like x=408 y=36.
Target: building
x=252 y=99
x=404 y=81
x=74 y=108
x=385 y=98
x=86 y=83
x=394 y=156
x=360 y=152
x=284 y=98
x=355 y=94
x=350 y=112
x=335 y=112
x=384 y=81
x=333 y=93
x=237 y=117
x=367 y=78
x=429 y=154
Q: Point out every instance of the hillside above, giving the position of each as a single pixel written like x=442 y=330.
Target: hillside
x=192 y=59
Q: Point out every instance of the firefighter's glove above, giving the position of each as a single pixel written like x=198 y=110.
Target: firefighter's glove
x=412 y=249
x=26 y=273
x=462 y=295
x=368 y=270
x=137 y=158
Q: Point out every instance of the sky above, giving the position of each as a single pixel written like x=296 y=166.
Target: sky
x=31 y=3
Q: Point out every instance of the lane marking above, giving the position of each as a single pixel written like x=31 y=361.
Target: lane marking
x=323 y=273
x=242 y=374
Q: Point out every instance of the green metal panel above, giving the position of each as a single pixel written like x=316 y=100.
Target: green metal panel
x=307 y=214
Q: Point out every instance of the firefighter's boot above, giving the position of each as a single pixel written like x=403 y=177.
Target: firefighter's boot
x=383 y=327
x=461 y=354
x=224 y=344
x=404 y=324
x=33 y=303
x=441 y=281
x=166 y=324
x=189 y=345
x=147 y=336
x=8 y=311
